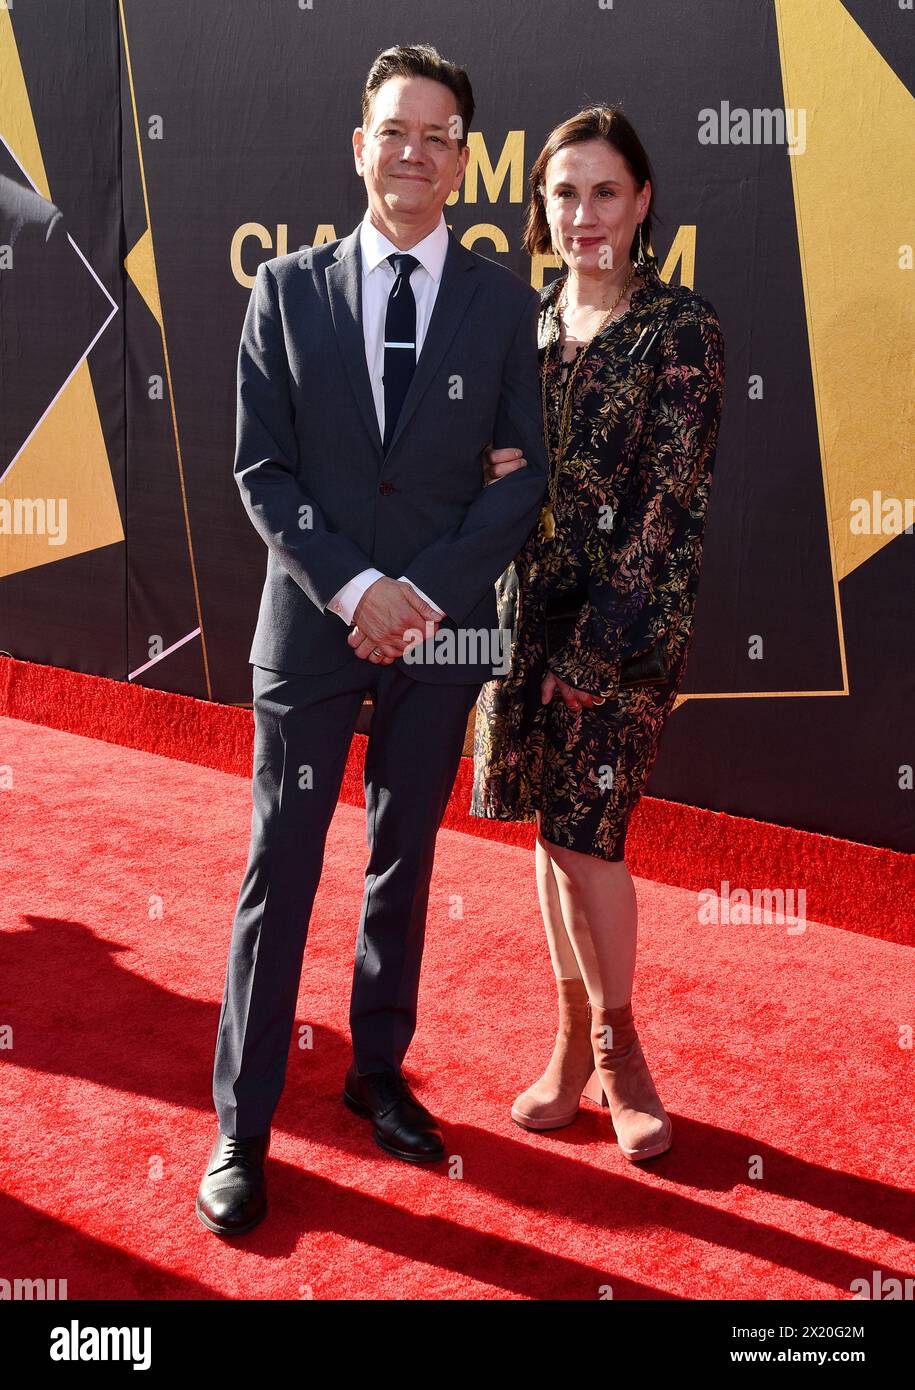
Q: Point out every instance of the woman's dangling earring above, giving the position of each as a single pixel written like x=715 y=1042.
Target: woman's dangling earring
x=640 y=261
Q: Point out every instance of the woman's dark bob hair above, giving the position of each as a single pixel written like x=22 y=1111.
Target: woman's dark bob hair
x=593 y=123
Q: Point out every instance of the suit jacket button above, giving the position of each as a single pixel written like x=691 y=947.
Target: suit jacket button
x=386 y=489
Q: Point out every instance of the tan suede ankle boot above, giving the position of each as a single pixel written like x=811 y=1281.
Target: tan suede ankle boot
x=552 y=1102
x=622 y=1082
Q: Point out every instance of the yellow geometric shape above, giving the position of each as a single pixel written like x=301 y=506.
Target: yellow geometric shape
x=16 y=124
x=65 y=458
x=140 y=264
x=854 y=198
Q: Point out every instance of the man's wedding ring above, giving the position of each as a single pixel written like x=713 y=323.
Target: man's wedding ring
x=376 y=651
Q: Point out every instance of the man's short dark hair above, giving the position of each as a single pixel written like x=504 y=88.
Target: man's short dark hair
x=420 y=60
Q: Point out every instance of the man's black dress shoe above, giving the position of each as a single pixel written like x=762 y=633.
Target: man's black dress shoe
x=402 y=1126
x=232 y=1197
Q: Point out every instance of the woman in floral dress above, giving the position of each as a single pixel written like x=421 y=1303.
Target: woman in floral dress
x=632 y=373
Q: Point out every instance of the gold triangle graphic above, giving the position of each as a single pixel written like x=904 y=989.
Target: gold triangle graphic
x=140 y=264
x=66 y=462
x=58 y=499
x=855 y=205
x=17 y=127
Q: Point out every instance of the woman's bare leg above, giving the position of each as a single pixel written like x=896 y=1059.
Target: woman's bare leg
x=562 y=952
x=553 y=1100
x=597 y=907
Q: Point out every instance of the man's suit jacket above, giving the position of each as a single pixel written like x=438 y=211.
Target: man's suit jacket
x=325 y=497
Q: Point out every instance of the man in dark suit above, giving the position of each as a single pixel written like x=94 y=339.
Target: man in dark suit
x=372 y=373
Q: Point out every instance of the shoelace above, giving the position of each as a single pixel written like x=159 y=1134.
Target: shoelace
x=390 y=1089
x=237 y=1153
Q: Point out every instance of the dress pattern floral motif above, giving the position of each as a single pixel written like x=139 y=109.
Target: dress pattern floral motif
x=631 y=502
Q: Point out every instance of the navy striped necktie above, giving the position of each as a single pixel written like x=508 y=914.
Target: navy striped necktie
x=399 y=342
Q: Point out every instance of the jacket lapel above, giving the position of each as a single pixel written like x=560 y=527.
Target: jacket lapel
x=344 y=288
x=344 y=291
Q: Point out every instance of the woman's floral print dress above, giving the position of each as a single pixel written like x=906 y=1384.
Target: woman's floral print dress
x=630 y=511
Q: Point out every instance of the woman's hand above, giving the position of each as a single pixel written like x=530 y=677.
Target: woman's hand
x=575 y=699
x=498 y=463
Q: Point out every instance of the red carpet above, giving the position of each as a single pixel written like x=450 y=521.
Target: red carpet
x=778 y=1056
x=862 y=888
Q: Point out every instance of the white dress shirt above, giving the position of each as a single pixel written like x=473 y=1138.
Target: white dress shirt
x=377 y=281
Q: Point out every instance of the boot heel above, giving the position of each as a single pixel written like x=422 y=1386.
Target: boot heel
x=642 y=1125
x=594 y=1091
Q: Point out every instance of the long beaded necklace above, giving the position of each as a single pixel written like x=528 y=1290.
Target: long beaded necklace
x=547 y=514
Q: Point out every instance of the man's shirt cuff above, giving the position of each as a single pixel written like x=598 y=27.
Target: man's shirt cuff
x=346 y=600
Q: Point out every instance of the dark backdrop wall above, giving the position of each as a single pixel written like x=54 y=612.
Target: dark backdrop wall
x=152 y=155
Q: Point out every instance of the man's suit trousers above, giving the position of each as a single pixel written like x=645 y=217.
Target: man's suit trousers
x=303 y=729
